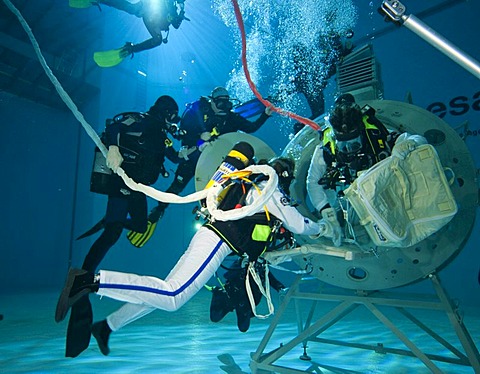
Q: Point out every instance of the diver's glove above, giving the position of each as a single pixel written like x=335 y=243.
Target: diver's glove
x=204 y=140
x=127 y=50
x=184 y=152
x=330 y=227
x=114 y=158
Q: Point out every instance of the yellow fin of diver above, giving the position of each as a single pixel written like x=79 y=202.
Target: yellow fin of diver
x=80 y=4
x=138 y=239
x=107 y=59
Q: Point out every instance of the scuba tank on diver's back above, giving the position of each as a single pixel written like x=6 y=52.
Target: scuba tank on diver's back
x=239 y=157
x=101 y=177
x=101 y=174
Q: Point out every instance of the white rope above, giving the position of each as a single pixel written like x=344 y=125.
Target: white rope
x=163 y=196
x=211 y=193
x=158 y=195
x=63 y=94
x=264 y=291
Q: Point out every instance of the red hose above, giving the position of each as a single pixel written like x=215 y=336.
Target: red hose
x=305 y=121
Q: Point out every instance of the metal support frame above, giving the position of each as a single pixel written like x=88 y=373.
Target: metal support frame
x=395 y=10
x=310 y=330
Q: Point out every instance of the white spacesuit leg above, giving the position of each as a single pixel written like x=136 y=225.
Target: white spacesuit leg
x=197 y=265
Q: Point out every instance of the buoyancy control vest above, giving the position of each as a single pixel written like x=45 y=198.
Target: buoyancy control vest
x=144 y=153
x=142 y=142
x=251 y=235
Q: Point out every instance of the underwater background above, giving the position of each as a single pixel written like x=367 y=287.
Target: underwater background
x=47 y=157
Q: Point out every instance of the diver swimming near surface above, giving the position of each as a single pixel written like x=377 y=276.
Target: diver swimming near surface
x=157 y=16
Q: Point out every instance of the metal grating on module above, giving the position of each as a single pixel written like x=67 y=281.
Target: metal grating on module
x=359 y=74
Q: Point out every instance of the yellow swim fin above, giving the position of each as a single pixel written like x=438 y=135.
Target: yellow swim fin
x=80 y=4
x=138 y=239
x=107 y=59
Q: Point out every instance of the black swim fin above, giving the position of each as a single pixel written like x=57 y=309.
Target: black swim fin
x=100 y=225
x=79 y=327
x=250 y=108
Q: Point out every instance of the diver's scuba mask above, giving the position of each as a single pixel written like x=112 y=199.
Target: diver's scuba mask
x=223 y=104
x=349 y=146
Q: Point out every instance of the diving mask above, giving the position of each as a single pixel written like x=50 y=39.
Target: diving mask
x=349 y=146
x=223 y=104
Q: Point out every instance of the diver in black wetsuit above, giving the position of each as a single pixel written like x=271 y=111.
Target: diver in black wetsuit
x=312 y=75
x=139 y=143
x=157 y=16
x=203 y=121
x=353 y=141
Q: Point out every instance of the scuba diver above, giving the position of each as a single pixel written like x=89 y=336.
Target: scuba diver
x=316 y=63
x=210 y=245
x=232 y=295
x=202 y=122
x=157 y=16
x=353 y=141
x=312 y=74
x=138 y=143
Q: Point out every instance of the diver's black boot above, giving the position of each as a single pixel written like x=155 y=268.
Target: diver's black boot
x=220 y=305
x=101 y=332
x=244 y=314
x=79 y=283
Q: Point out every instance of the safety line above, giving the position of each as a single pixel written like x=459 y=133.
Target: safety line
x=283 y=112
